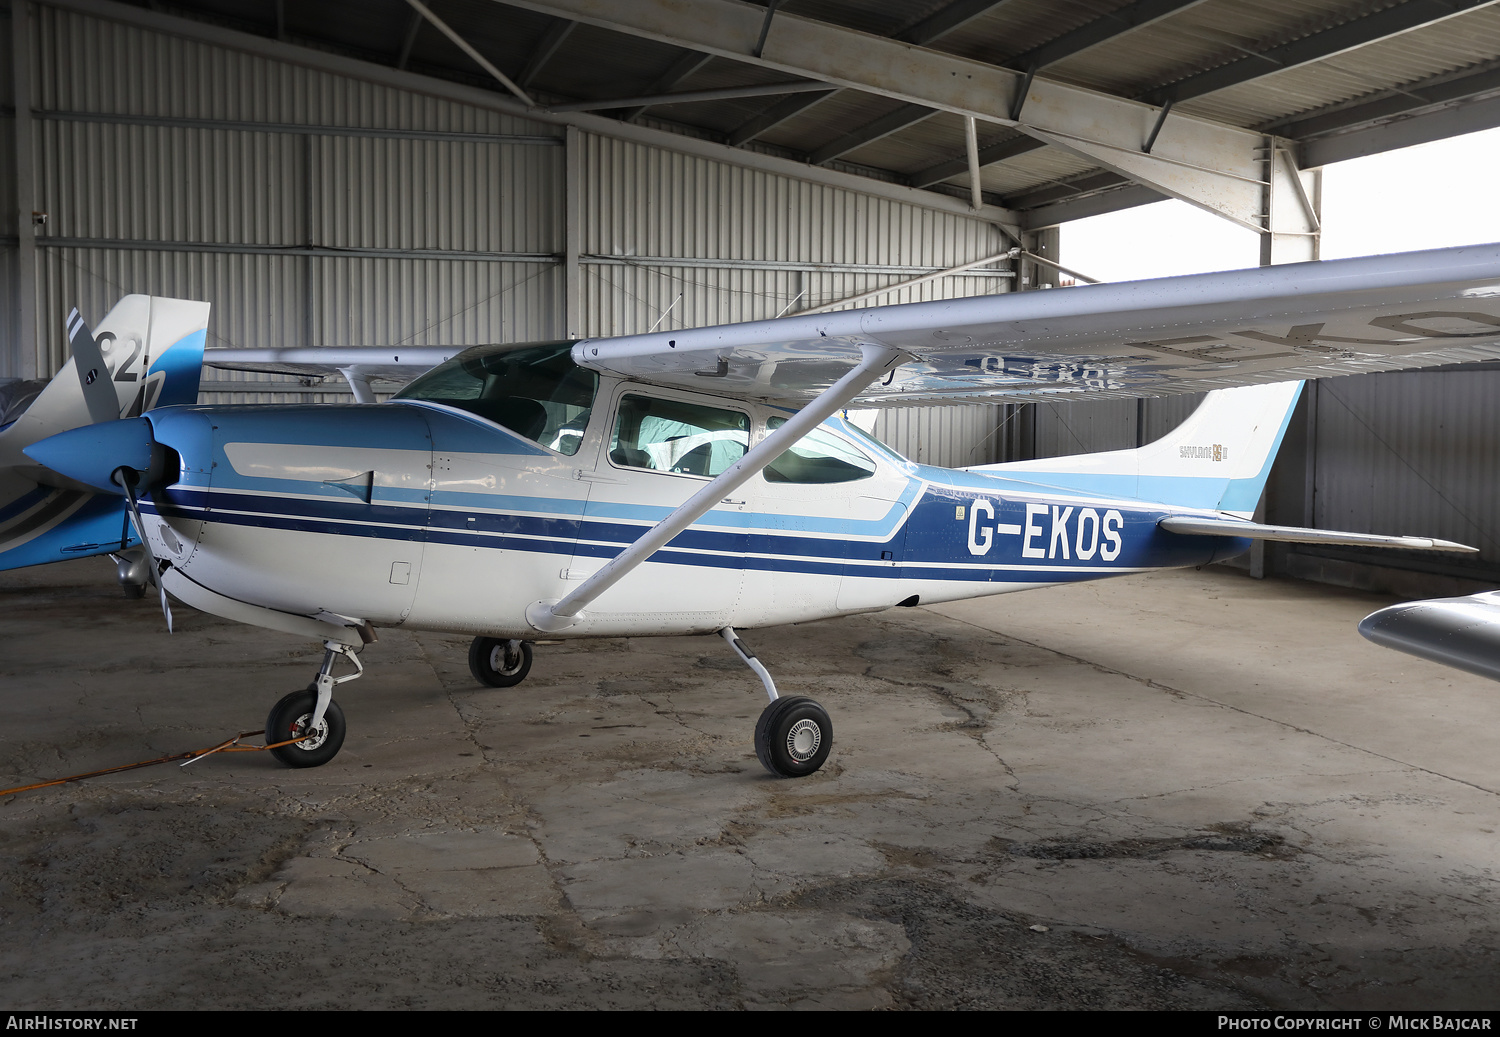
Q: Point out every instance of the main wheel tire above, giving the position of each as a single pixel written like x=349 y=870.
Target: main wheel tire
x=289 y=719
x=498 y=662
x=793 y=737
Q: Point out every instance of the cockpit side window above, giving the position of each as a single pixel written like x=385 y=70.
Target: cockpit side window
x=818 y=457
x=536 y=391
x=673 y=436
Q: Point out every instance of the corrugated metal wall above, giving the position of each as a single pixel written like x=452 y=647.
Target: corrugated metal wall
x=1413 y=452
x=316 y=209
x=642 y=203
x=9 y=315
x=1059 y=429
x=362 y=215
x=952 y=437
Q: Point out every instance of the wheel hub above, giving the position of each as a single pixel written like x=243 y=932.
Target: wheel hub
x=503 y=660
x=317 y=738
x=803 y=739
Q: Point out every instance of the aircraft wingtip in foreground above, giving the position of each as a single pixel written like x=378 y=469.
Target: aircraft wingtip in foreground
x=697 y=481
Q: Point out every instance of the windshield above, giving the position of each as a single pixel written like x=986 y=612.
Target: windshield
x=535 y=390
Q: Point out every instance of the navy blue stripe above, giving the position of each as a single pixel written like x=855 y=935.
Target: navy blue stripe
x=817 y=565
x=24 y=502
x=933 y=534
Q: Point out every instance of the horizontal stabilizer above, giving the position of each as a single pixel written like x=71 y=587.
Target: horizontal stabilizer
x=1226 y=527
x=1460 y=632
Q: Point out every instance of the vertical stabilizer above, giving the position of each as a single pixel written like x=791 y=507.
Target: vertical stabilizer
x=1219 y=458
x=148 y=352
x=152 y=353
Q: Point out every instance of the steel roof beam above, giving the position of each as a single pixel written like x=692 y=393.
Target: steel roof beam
x=1087 y=184
x=928 y=29
x=469 y=49
x=1116 y=23
x=870 y=132
x=683 y=67
x=1446 y=89
x=1097 y=204
x=1402 y=133
x=988 y=156
x=490 y=100
x=1133 y=16
x=944 y=21
x=1211 y=165
x=1392 y=21
x=718 y=94
x=409 y=38
x=1136 y=15
x=547 y=46
x=775 y=115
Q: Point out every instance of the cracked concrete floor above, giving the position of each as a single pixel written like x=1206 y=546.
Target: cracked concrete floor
x=1182 y=790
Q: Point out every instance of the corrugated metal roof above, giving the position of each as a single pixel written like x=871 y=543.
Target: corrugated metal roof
x=1351 y=50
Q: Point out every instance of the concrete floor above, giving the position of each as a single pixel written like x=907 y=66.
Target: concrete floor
x=1183 y=790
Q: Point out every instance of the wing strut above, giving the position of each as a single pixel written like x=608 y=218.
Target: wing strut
x=550 y=617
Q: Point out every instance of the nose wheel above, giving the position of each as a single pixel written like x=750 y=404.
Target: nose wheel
x=292 y=717
x=311 y=716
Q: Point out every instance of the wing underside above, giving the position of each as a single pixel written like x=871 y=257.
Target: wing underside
x=1144 y=338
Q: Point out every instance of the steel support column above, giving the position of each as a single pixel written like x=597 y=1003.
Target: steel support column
x=1291 y=233
x=22 y=361
x=572 y=232
x=1293 y=198
x=1046 y=244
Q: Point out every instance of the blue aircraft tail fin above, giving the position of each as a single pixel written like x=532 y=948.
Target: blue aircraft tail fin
x=1218 y=459
x=149 y=351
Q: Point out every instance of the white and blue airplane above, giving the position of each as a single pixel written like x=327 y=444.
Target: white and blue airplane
x=697 y=481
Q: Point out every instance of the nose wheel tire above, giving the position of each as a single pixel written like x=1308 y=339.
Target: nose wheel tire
x=793 y=737
x=289 y=719
x=498 y=662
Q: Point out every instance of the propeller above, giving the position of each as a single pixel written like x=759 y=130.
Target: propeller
x=128 y=478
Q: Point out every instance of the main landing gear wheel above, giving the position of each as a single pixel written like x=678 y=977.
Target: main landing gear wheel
x=498 y=662
x=289 y=719
x=793 y=737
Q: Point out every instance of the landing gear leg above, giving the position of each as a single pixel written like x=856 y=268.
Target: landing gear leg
x=794 y=735
x=312 y=713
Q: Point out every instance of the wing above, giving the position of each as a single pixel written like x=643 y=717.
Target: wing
x=393 y=364
x=1141 y=338
x=1459 y=632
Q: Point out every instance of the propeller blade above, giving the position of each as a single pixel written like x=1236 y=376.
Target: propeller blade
x=127 y=479
x=93 y=373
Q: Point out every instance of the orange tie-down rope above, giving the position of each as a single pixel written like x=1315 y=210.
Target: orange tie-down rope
x=230 y=745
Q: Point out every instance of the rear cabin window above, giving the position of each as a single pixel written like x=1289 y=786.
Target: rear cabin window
x=536 y=391
x=672 y=436
x=818 y=457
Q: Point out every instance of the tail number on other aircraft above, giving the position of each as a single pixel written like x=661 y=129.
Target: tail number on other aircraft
x=1091 y=534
